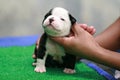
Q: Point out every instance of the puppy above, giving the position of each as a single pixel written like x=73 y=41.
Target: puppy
x=57 y=22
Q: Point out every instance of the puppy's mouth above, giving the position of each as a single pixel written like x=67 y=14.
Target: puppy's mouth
x=52 y=26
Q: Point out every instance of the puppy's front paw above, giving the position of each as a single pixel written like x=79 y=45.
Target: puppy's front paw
x=34 y=63
x=117 y=74
x=69 y=71
x=40 y=66
x=40 y=69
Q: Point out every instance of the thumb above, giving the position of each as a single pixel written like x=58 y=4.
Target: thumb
x=77 y=30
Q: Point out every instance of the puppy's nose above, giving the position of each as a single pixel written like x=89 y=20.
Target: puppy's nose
x=51 y=20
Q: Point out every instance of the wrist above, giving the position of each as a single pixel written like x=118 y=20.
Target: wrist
x=93 y=52
x=105 y=57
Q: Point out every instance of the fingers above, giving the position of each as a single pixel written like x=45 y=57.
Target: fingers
x=84 y=26
x=77 y=29
x=93 y=30
x=89 y=29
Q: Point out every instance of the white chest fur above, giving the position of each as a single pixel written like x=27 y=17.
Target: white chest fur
x=55 y=50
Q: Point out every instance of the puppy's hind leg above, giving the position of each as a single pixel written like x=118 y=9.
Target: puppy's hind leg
x=69 y=62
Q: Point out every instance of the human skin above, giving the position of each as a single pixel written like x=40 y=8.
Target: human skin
x=98 y=49
x=110 y=38
x=89 y=29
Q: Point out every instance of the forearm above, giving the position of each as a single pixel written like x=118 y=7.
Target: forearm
x=104 y=56
x=110 y=38
x=111 y=58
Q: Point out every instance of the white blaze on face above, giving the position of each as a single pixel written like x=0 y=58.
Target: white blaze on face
x=57 y=24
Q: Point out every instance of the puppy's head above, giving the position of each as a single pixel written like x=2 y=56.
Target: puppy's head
x=58 y=22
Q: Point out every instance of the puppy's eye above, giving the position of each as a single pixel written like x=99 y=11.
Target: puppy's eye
x=62 y=19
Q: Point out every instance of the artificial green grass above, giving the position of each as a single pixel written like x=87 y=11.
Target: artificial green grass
x=16 y=64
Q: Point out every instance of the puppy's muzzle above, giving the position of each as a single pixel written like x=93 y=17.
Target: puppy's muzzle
x=51 y=20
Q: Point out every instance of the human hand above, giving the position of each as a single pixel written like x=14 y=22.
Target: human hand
x=89 y=29
x=79 y=41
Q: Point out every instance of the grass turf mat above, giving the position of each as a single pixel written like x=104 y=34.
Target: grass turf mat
x=16 y=64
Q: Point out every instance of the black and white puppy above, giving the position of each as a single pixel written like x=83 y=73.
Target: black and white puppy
x=57 y=22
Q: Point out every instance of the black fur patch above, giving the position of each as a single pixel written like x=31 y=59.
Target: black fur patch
x=72 y=19
x=48 y=14
x=42 y=48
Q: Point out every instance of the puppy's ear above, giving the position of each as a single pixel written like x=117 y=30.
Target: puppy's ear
x=48 y=14
x=72 y=19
